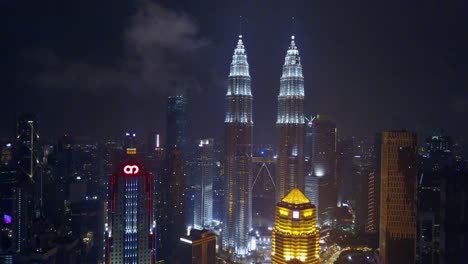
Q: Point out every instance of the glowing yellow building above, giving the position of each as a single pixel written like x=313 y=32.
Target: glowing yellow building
x=295 y=236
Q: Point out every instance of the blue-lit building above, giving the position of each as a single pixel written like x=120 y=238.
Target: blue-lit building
x=203 y=191
x=130 y=229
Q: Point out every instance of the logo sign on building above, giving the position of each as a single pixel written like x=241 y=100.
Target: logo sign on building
x=131 y=169
x=131 y=151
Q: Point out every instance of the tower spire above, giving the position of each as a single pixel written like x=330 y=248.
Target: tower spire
x=293 y=29
x=293 y=26
x=240 y=26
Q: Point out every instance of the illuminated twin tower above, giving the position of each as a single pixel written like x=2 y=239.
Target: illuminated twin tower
x=238 y=128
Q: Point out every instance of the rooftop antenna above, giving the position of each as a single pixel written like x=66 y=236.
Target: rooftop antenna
x=293 y=27
x=240 y=26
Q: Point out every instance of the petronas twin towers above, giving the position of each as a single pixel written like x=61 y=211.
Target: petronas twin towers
x=239 y=132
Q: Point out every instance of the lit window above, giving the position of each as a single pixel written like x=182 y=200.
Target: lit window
x=295 y=214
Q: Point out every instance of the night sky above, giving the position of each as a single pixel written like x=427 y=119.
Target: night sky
x=101 y=67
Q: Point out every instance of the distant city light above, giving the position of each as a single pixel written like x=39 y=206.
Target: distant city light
x=185 y=240
x=7 y=219
x=319 y=171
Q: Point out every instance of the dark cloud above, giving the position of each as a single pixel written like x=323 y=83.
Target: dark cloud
x=159 y=48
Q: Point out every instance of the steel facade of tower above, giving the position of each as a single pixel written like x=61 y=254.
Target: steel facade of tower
x=291 y=125
x=131 y=227
x=238 y=165
x=398 y=198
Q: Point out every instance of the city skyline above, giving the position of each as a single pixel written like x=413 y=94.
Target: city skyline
x=352 y=83
x=173 y=131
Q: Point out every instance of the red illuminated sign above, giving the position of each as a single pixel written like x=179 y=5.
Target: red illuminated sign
x=131 y=169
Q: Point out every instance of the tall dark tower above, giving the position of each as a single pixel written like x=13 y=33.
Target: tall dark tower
x=176 y=121
x=27 y=195
x=171 y=183
x=291 y=125
x=238 y=128
x=27 y=145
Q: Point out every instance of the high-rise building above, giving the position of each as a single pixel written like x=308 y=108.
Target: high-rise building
x=290 y=124
x=27 y=144
x=441 y=199
x=9 y=204
x=171 y=182
x=373 y=189
x=130 y=229
x=238 y=125
x=263 y=188
x=171 y=204
x=320 y=181
x=27 y=197
x=454 y=215
x=295 y=238
x=398 y=198
x=203 y=200
x=198 y=247
x=176 y=121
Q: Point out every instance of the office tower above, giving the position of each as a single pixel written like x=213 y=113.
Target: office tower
x=171 y=181
x=27 y=144
x=397 y=239
x=131 y=228
x=363 y=165
x=219 y=185
x=454 y=212
x=171 y=200
x=198 y=247
x=27 y=194
x=321 y=184
x=373 y=189
x=203 y=215
x=176 y=121
x=8 y=195
x=435 y=163
x=290 y=125
x=263 y=188
x=238 y=125
x=295 y=238
x=441 y=199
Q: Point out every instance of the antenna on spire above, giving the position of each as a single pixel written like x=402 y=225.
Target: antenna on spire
x=293 y=28
x=240 y=26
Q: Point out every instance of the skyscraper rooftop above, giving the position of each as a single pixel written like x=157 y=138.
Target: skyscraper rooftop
x=296 y=197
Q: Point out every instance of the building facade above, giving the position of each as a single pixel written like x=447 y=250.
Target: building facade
x=176 y=121
x=130 y=229
x=295 y=238
x=171 y=179
x=238 y=154
x=290 y=125
x=27 y=196
x=198 y=247
x=320 y=181
x=398 y=198
x=203 y=194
